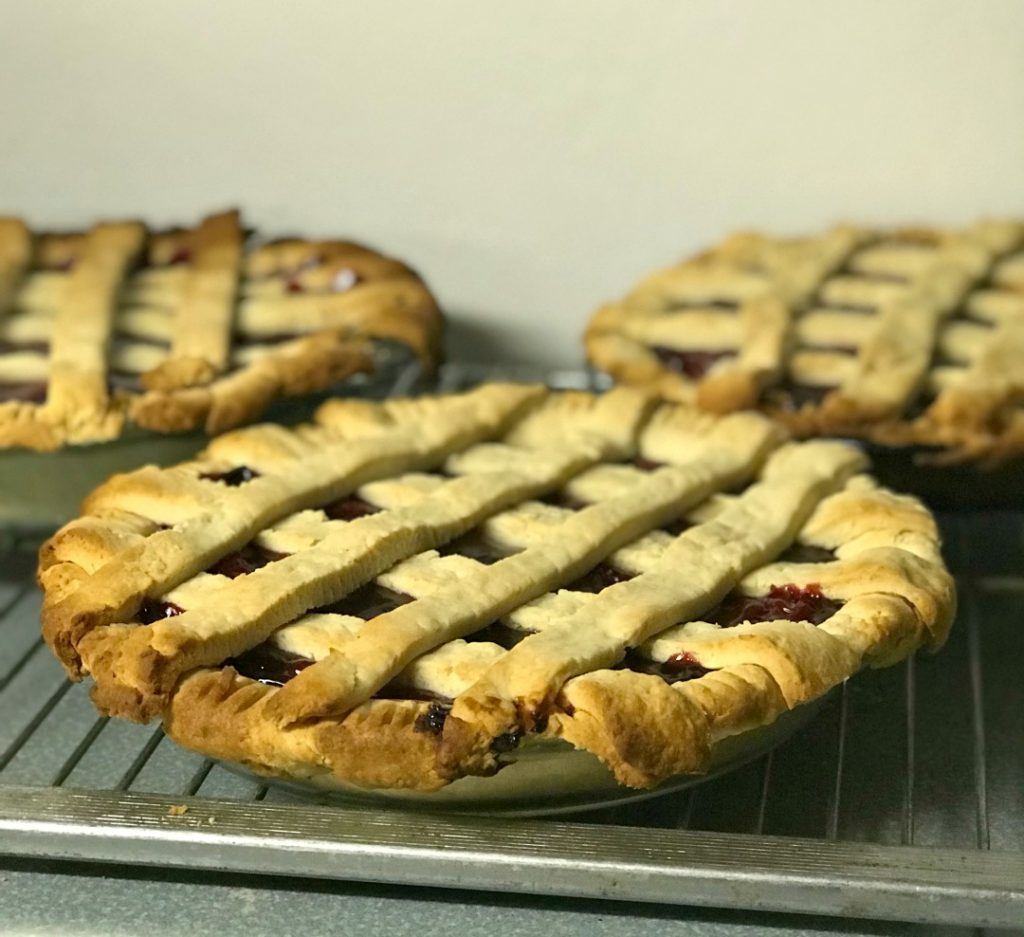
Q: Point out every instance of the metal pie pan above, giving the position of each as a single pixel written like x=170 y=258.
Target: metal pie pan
x=957 y=487
x=544 y=777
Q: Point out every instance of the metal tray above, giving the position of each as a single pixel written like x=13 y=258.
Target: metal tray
x=903 y=799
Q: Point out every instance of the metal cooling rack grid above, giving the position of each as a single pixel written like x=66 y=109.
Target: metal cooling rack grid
x=904 y=799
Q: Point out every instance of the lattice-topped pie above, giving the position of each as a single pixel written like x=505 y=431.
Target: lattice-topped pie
x=403 y=593
x=186 y=328
x=902 y=337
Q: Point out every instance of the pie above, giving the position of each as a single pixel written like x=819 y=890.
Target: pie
x=186 y=328
x=402 y=593
x=907 y=337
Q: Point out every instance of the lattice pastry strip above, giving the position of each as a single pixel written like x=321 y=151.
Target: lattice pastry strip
x=733 y=322
x=638 y=583
x=181 y=329
x=909 y=337
x=278 y=472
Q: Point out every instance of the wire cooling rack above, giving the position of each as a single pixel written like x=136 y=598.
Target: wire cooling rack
x=903 y=800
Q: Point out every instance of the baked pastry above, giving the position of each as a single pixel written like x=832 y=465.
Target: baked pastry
x=402 y=593
x=186 y=328
x=905 y=337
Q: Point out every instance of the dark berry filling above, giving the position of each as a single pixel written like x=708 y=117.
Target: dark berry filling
x=269 y=338
x=26 y=391
x=477 y=547
x=395 y=690
x=647 y=465
x=677 y=526
x=851 y=350
x=242 y=562
x=497 y=633
x=728 y=305
x=560 y=499
x=156 y=610
x=181 y=256
x=806 y=553
x=348 y=509
x=39 y=348
x=151 y=340
x=677 y=668
x=507 y=742
x=682 y=667
x=433 y=719
x=600 y=577
x=793 y=397
x=269 y=664
x=790 y=601
x=368 y=602
x=692 y=364
x=232 y=477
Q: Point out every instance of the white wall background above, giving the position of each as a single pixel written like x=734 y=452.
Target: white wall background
x=531 y=158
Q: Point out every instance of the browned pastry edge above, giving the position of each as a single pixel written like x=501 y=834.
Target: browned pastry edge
x=641 y=728
x=304 y=366
x=221 y=714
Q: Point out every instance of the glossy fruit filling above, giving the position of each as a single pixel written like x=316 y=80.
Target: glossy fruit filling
x=433 y=720
x=681 y=667
x=24 y=391
x=367 y=602
x=350 y=508
x=156 y=610
x=560 y=499
x=793 y=397
x=477 y=547
x=233 y=477
x=247 y=560
x=790 y=602
x=39 y=348
x=600 y=577
x=269 y=664
x=691 y=364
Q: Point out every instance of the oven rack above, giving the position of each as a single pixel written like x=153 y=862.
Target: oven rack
x=903 y=800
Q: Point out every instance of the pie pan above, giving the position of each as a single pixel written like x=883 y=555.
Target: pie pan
x=39 y=491
x=944 y=486
x=546 y=777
